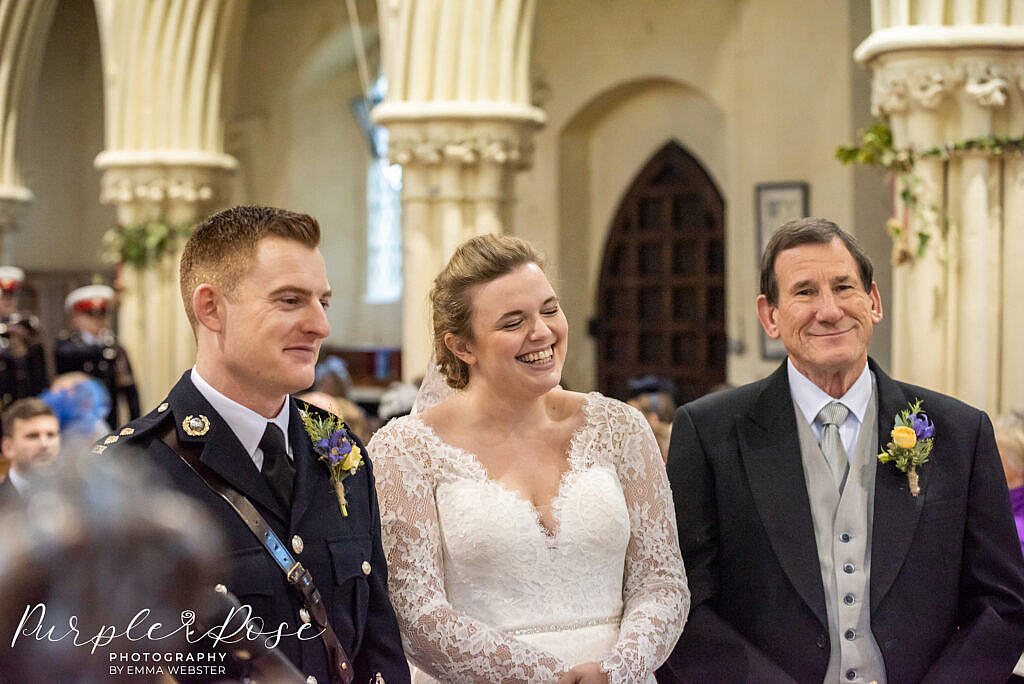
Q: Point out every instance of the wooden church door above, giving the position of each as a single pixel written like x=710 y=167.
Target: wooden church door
x=661 y=294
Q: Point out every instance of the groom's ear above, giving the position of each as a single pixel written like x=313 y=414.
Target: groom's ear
x=206 y=303
x=460 y=347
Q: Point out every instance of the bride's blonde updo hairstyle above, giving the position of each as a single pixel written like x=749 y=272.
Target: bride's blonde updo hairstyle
x=478 y=260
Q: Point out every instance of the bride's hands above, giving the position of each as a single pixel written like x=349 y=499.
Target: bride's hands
x=587 y=673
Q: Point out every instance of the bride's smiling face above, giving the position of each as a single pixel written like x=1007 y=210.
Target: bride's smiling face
x=519 y=333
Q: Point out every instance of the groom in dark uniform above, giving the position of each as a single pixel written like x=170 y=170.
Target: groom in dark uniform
x=255 y=289
x=809 y=559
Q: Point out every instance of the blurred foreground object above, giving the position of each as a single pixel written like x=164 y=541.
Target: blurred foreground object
x=92 y=545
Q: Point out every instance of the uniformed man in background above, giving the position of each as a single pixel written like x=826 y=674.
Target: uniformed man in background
x=89 y=346
x=22 y=360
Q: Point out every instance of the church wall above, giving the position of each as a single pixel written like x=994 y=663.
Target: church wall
x=300 y=146
x=757 y=91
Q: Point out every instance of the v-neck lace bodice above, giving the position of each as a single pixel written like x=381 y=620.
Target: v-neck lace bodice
x=471 y=465
x=475 y=577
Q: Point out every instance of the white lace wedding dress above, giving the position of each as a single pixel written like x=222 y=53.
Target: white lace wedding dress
x=484 y=593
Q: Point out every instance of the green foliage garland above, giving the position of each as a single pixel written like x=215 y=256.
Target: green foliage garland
x=876 y=149
x=142 y=244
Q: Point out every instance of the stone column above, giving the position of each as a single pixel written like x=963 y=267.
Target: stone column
x=461 y=124
x=24 y=26
x=164 y=65
x=945 y=72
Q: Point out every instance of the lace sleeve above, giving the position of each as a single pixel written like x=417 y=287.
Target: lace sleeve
x=443 y=642
x=655 y=595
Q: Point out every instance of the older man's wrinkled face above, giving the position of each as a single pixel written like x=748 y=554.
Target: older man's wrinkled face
x=823 y=315
x=35 y=442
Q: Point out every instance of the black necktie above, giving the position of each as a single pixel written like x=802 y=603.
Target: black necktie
x=276 y=465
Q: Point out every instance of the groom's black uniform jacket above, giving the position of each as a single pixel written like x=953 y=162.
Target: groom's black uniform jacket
x=947 y=577
x=343 y=554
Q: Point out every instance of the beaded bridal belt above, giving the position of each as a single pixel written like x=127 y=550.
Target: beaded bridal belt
x=563 y=626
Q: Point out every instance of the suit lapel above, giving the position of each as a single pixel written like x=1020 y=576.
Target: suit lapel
x=222 y=452
x=306 y=465
x=896 y=511
x=770 y=449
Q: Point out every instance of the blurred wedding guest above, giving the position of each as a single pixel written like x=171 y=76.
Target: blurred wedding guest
x=30 y=441
x=654 y=396
x=90 y=346
x=81 y=404
x=22 y=359
x=529 y=529
x=397 y=400
x=97 y=544
x=1010 y=440
x=330 y=391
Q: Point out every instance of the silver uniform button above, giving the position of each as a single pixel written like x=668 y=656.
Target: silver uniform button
x=310 y=679
x=297 y=544
x=304 y=615
x=220 y=589
x=366 y=568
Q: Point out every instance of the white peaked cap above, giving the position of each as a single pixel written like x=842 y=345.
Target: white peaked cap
x=8 y=273
x=89 y=292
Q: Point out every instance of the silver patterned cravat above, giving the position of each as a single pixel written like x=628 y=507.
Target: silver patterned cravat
x=831 y=417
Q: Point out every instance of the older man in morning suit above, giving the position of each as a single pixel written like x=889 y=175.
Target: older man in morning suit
x=808 y=559
x=255 y=289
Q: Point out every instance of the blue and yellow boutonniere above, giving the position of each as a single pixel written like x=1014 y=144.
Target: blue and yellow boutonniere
x=332 y=441
x=911 y=443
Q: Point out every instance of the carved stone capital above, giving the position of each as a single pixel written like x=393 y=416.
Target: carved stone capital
x=987 y=80
x=181 y=193
x=923 y=82
x=905 y=80
x=888 y=95
x=463 y=143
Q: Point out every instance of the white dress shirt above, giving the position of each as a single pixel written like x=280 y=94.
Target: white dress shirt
x=247 y=425
x=20 y=482
x=810 y=399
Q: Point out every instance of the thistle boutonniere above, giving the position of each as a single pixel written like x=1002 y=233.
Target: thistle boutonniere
x=336 y=448
x=911 y=443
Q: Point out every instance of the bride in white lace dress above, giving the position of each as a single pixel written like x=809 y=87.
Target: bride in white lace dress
x=529 y=530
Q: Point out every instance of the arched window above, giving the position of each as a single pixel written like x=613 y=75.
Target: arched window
x=383 y=209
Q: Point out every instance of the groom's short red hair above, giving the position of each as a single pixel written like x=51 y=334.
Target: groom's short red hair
x=221 y=249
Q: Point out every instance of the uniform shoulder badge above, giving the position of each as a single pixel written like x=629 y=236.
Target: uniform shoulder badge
x=196 y=426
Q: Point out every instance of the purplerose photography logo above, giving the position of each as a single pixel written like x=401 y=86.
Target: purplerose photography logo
x=134 y=648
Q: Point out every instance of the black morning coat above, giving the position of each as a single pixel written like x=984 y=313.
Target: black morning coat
x=343 y=554
x=947 y=577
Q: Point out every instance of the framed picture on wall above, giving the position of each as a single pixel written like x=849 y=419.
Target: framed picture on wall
x=774 y=204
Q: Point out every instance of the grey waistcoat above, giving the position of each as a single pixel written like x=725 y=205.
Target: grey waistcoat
x=842 y=526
